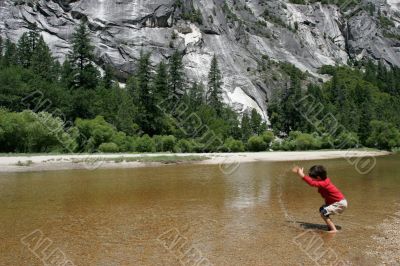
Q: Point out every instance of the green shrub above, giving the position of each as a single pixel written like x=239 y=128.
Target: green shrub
x=198 y=147
x=288 y=145
x=268 y=137
x=383 y=135
x=327 y=69
x=168 y=143
x=123 y=141
x=276 y=145
x=93 y=132
x=145 y=144
x=158 y=143
x=347 y=140
x=386 y=22
x=165 y=143
x=184 y=145
x=256 y=143
x=33 y=132
x=327 y=141
x=234 y=145
x=110 y=147
x=306 y=141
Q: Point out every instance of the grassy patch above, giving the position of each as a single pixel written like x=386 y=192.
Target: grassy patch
x=396 y=150
x=165 y=159
x=24 y=163
x=173 y=159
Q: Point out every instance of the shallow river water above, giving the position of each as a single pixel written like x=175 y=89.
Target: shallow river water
x=192 y=215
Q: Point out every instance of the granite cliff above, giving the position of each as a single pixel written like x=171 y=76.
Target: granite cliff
x=242 y=33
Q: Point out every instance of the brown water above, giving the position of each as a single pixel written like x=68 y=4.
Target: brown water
x=191 y=215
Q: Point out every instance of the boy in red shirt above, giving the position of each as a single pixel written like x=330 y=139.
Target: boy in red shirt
x=335 y=203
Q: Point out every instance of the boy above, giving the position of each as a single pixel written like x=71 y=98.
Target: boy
x=335 y=202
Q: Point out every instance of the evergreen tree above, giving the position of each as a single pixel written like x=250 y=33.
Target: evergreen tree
x=108 y=77
x=10 y=54
x=143 y=79
x=364 y=129
x=370 y=72
x=176 y=75
x=161 y=82
x=382 y=76
x=1 y=51
x=196 y=95
x=149 y=116
x=245 y=127
x=67 y=78
x=24 y=51
x=275 y=112
x=364 y=105
x=85 y=75
x=291 y=117
x=255 y=121
x=27 y=46
x=214 y=94
x=42 y=61
x=34 y=35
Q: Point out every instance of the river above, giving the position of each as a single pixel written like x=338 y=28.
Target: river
x=192 y=215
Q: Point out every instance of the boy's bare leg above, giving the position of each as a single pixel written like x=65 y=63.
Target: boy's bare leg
x=330 y=224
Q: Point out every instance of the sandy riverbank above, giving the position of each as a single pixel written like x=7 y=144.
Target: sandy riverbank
x=25 y=163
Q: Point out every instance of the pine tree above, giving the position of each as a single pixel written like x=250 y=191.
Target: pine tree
x=370 y=72
x=1 y=51
x=161 y=82
x=26 y=47
x=67 y=74
x=42 y=61
x=291 y=117
x=24 y=51
x=10 y=54
x=364 y=105
x=255 y=122
x=245 y=127
x=176 y=75
x=34 y=35
x=143 y=79
x=196 y=95
x=108 y=77
x=149 y=116
x=214 y=94
x=85 y=75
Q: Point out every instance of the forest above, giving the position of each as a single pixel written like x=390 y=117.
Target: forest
x=73 y=107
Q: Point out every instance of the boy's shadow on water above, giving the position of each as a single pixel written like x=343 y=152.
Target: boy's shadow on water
x=312 y=226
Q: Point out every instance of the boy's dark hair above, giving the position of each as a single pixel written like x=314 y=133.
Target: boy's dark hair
x=317 y=171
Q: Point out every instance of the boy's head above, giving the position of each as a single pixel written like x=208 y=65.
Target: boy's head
x=317 y=171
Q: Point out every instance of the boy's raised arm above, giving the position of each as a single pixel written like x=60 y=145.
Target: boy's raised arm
x=299 y=171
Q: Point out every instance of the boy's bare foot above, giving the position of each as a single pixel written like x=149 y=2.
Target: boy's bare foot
x=332 y=231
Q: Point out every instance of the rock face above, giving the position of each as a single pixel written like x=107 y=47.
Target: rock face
x=239 y=32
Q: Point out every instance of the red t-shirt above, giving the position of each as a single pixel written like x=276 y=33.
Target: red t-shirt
x=327 y=190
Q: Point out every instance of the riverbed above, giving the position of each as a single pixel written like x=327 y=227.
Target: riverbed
x=257 y=214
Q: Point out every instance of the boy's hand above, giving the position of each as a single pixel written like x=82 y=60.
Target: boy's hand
x=298 y=170
x=295 y=169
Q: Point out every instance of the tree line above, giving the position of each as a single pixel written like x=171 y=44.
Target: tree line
x=359 y=107
x=160 y=110
x=104 y=115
